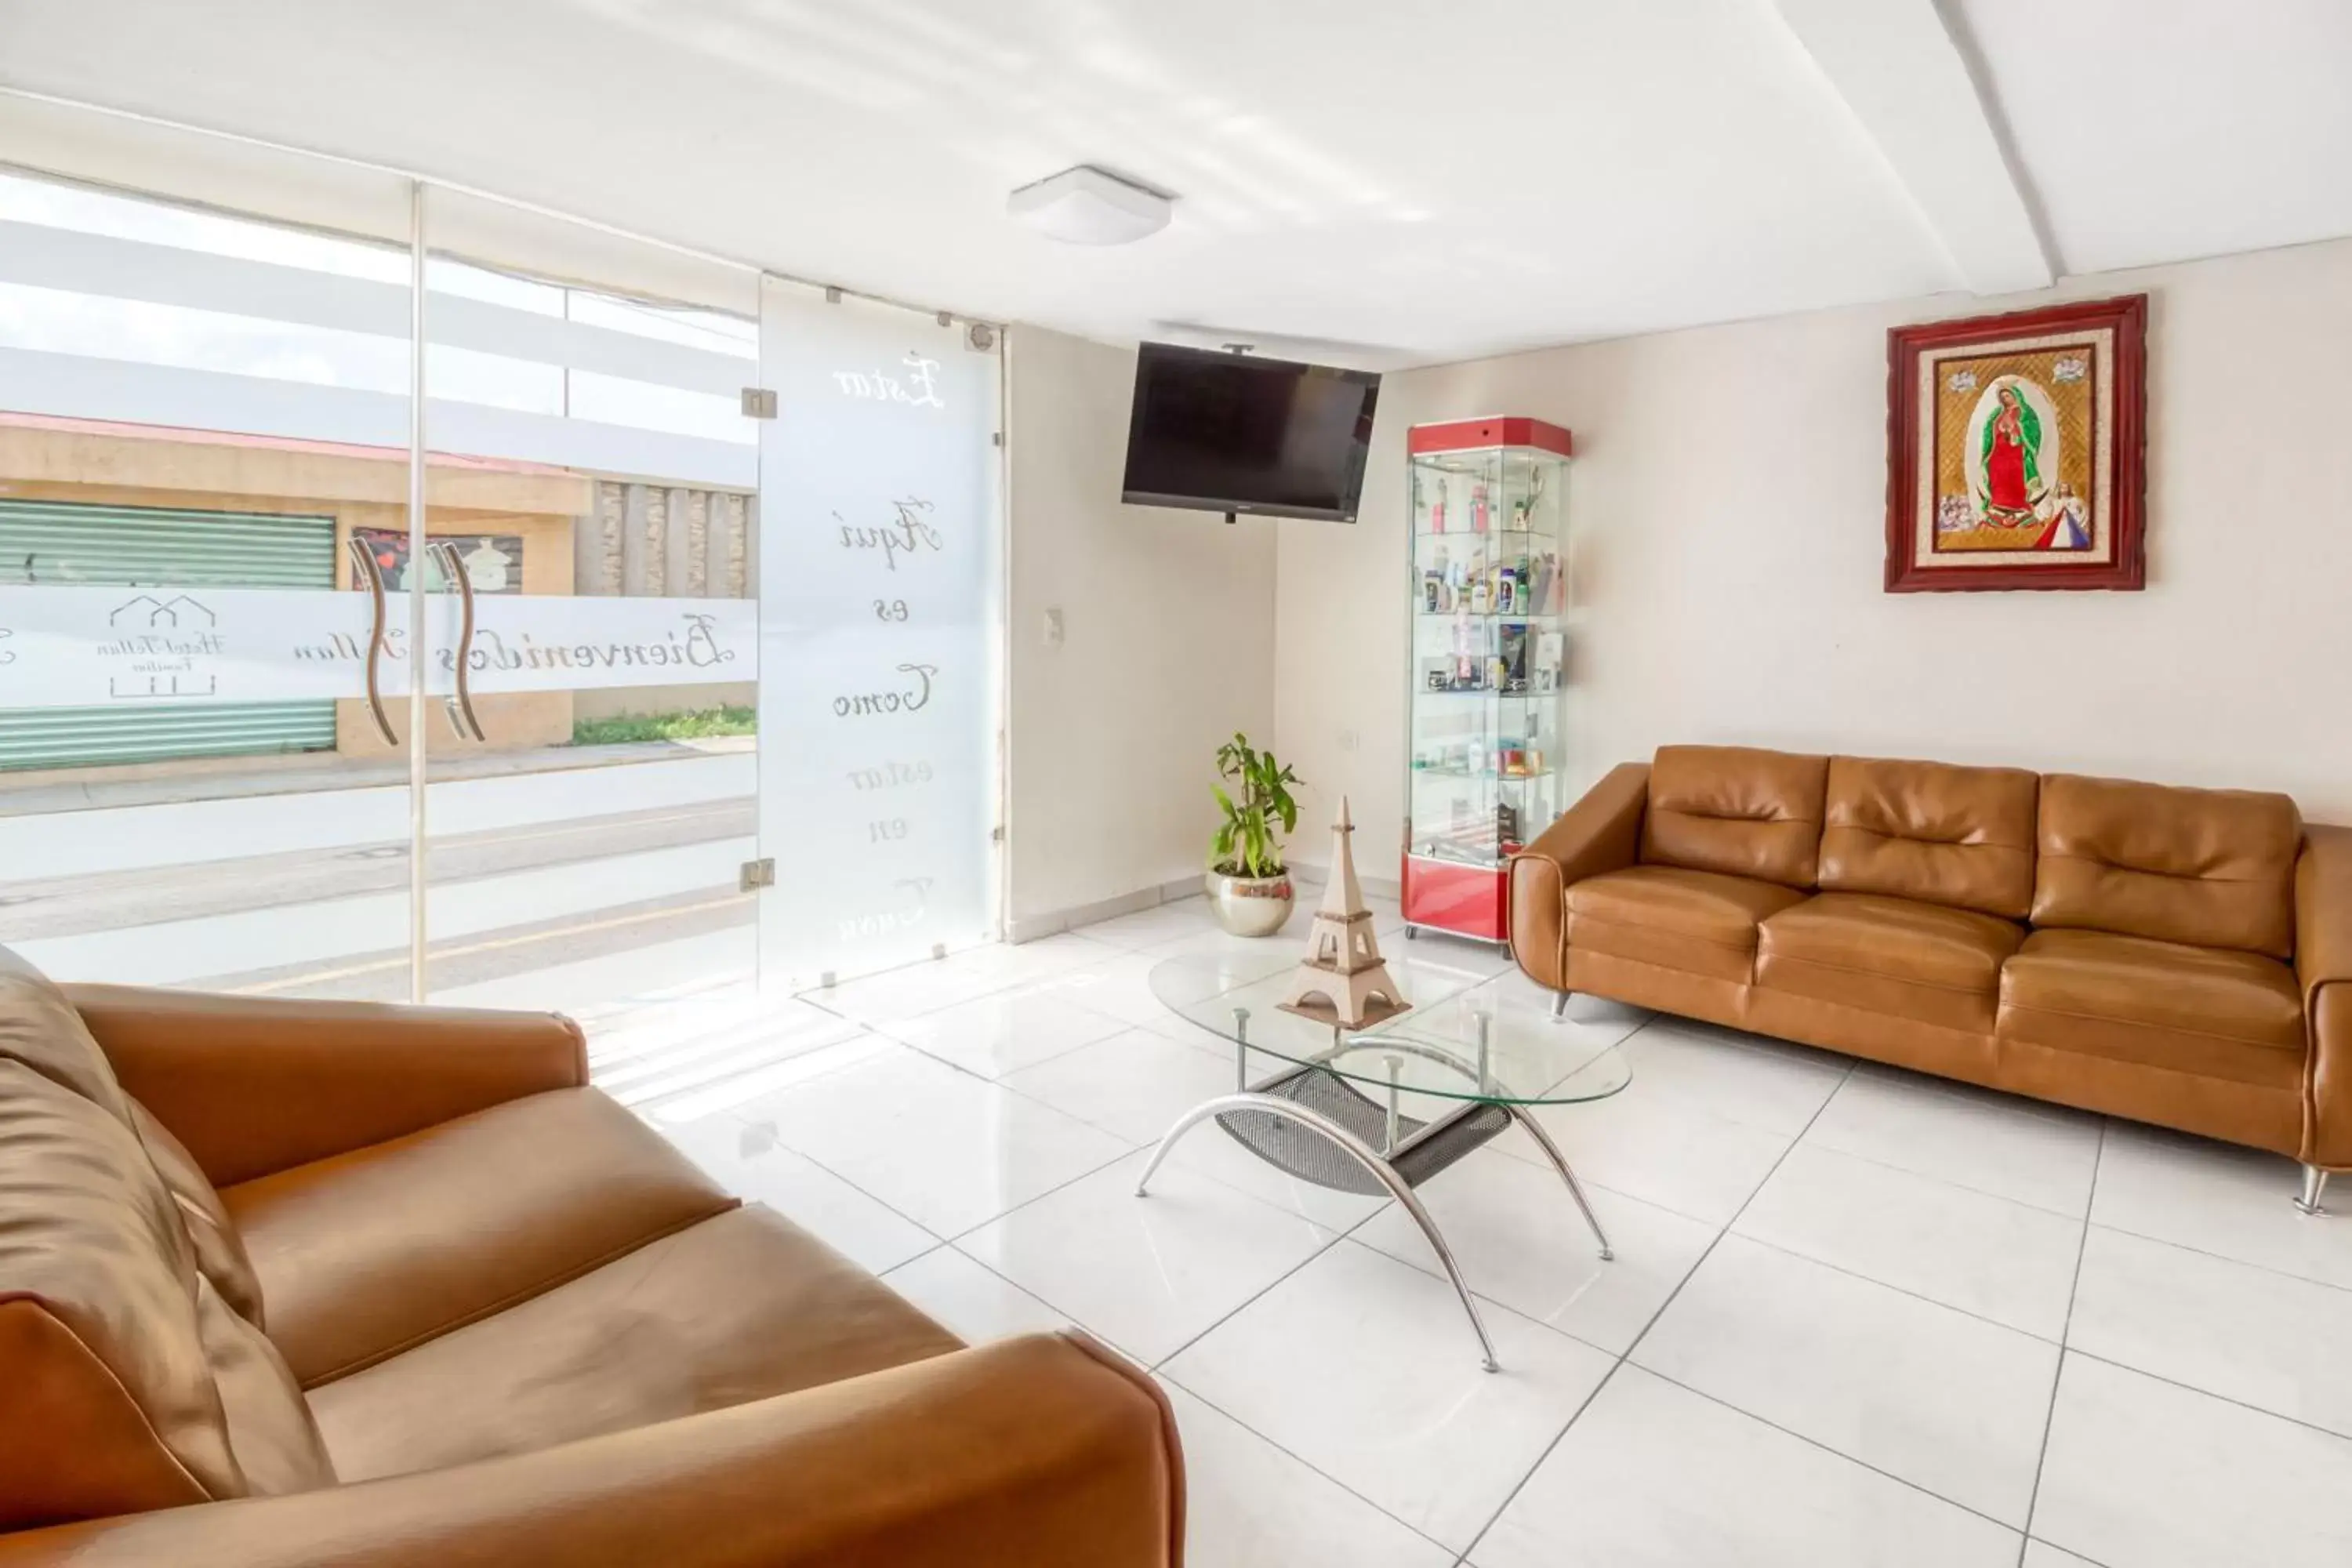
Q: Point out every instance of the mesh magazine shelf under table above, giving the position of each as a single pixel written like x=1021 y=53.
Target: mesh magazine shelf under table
x=1382 y=1111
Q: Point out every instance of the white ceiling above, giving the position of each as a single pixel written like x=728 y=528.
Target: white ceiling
x=1389 y=182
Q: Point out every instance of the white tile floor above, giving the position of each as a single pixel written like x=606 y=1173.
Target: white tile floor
x=1856 y=1316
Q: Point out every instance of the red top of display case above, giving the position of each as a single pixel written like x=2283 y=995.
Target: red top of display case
x=1475 y=434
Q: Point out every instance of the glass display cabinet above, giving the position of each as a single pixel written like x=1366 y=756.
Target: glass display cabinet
x=1489 y=587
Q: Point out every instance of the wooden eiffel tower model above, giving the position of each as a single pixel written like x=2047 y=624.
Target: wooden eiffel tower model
x=1343 y=981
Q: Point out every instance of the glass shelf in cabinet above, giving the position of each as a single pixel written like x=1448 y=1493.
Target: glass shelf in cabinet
x=1513 y=617
x=1459 y=533
x=1422 y=770
x=1499 y=696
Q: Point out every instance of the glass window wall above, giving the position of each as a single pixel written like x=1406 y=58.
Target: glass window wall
x=691 y=639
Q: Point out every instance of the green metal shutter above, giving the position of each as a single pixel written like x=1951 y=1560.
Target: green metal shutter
x=45 y=543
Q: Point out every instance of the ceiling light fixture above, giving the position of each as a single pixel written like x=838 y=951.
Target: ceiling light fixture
x=1086 y=205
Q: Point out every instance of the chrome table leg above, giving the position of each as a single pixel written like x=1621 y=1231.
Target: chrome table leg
x=1361 y=1151
x=1558 y=1163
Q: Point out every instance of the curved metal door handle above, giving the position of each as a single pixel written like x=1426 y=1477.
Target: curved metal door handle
x=363 y=564
x=460 y=706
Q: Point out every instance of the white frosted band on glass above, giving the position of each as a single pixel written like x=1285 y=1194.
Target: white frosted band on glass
x=90 y=647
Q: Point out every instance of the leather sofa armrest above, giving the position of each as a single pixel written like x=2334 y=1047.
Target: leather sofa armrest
x=2323 y=969
x=1602 y=832
x=258 y=1085
x=1041 y=1452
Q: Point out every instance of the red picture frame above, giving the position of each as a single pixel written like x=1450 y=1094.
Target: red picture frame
x=2016 y=450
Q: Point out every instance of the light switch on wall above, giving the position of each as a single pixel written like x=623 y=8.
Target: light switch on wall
x=1054 y=626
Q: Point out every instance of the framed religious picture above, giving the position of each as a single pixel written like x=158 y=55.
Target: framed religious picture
x=2015 y=449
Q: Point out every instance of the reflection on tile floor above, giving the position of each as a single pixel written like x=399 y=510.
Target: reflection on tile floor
x=1856 y=1316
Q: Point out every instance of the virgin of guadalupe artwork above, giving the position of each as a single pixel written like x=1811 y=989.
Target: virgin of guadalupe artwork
x=2009 y=454
x=2015 y=450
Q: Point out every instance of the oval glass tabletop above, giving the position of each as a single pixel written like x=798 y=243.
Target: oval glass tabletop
x=1471 y=1034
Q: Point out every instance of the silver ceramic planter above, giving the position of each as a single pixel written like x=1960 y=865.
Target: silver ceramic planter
x=1249 y=906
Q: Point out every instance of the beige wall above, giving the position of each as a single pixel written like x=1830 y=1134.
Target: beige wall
x=1169 y=645
x=1726 y=510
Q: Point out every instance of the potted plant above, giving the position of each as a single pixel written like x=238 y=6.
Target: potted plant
x=1247 y=883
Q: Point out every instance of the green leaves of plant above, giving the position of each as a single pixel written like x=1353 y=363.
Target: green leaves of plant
x=1248 y=826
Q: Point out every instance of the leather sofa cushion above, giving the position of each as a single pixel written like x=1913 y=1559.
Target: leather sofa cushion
x=1929 y=831
x=107 y=1399
x=1896 y=956
x=221 y=1257
x=1736 y=811
x=128 y=1379
x=1698 y=922
x=2211 y=1011
x=370 y=1252
x=738 y=1308
x=270 y=1429
x=2210 y=868
x=41 y=1029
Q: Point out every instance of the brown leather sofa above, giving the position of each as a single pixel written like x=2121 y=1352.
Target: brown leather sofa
x=306 y=1283
x=2178 y=956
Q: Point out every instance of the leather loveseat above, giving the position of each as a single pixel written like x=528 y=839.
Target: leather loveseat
x=2176 y=956
x=288 y=1283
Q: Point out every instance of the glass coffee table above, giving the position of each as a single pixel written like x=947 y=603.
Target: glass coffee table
x=1382 y=1109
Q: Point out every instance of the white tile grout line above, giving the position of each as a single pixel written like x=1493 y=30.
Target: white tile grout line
x=1951 y=1182
x=1772 y=1245
x=2065 y=1332
x=1727 y=1227
x=1158 y=1371
x=2062 y=1344
x=735 y=1114
x=876 y=1032
x=1348 y=1233
x=1128 y=1149
x=2276 y=1273
x=983 y=1265
x=2080 y=1354
x=1171 y=1379
x=1117 y=1028
x=1813 y=1443
x=1303 y=1464
x=1635 y=1343
x=1952 y=1090
x=647 y=1108
x=1338 y=1234
x=1785 y=1251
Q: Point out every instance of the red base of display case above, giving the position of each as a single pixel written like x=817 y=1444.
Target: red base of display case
x=1469 y=900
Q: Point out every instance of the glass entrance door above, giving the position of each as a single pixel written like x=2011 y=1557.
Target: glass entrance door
x=882 y=644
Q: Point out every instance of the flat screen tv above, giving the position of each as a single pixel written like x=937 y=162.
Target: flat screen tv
x=1234 y=433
